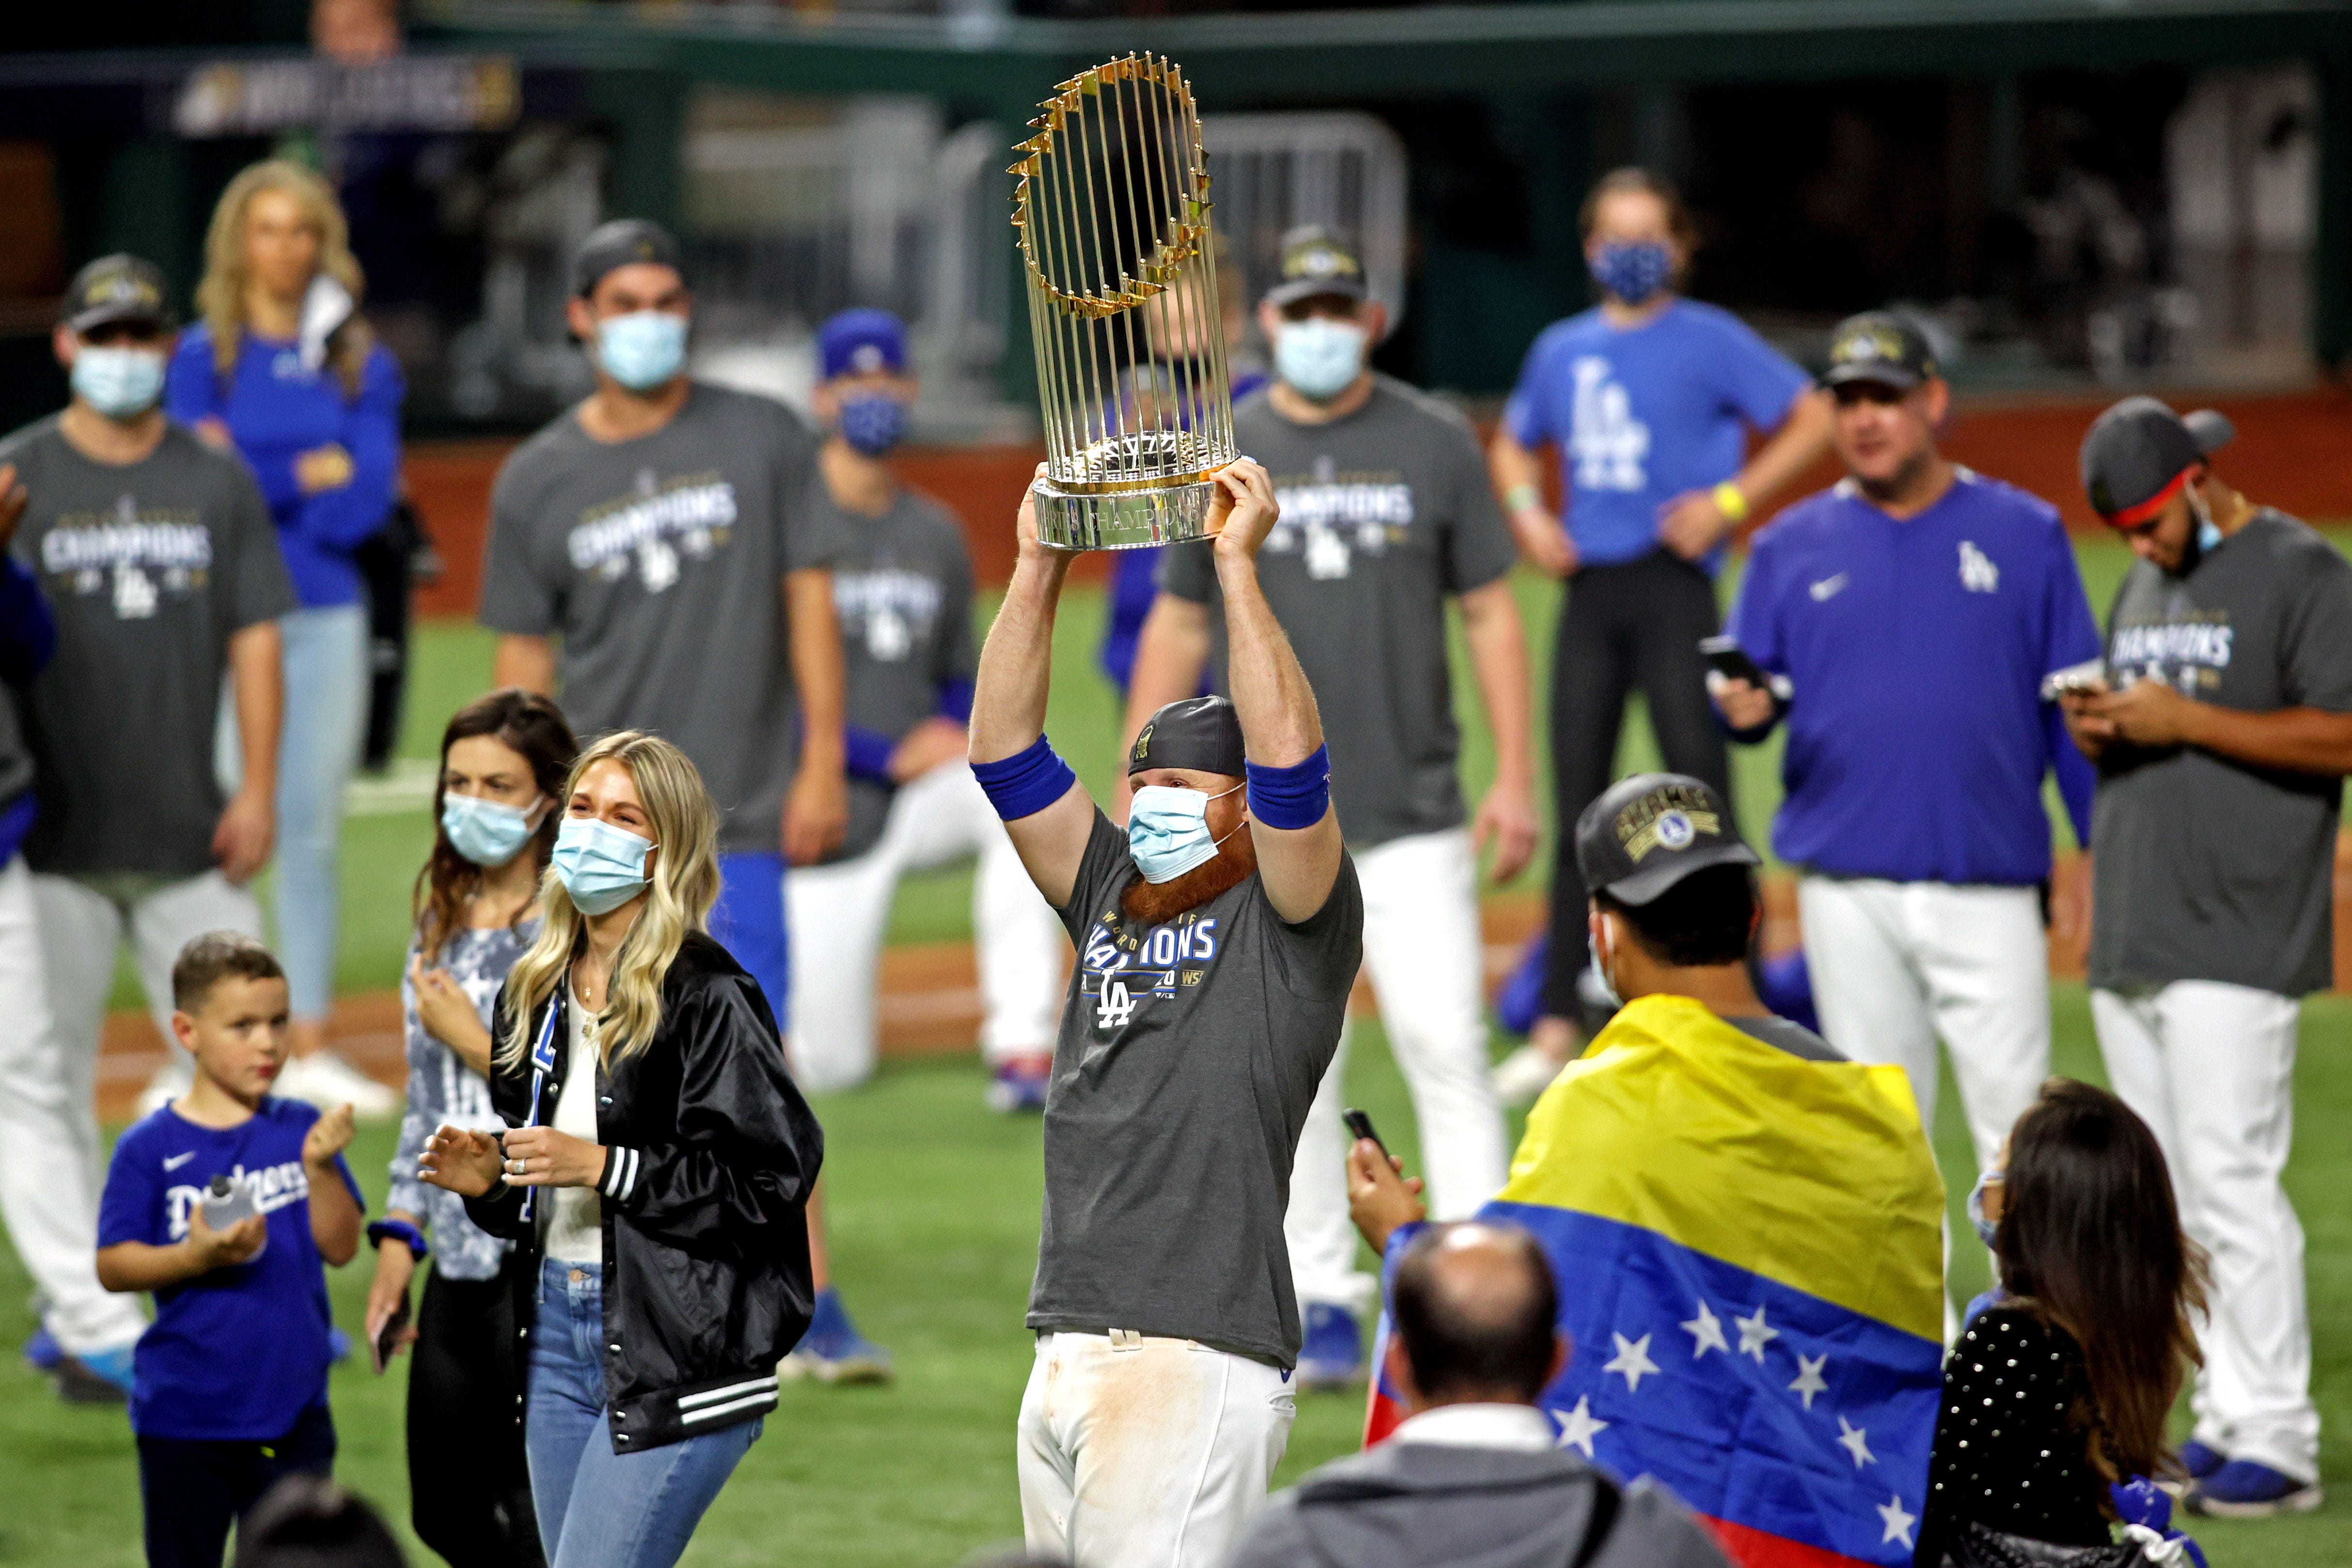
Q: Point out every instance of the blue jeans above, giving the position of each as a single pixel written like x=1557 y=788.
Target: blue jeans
x=598 y=1508
x=747 y=921
x=326 y=667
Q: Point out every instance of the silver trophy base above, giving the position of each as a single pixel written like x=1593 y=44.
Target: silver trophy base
x=1125 y=520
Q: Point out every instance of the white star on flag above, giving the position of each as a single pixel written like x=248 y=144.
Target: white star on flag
x=1755 y=1333
x=1898 y=1522
x=1632 y=1360
x=1707 y=1330
x=1809 y=1377
x=1853 y=1441
x=1578 y=1427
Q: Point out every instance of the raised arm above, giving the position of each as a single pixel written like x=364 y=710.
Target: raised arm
x=1280 y=726
x=1008 y=718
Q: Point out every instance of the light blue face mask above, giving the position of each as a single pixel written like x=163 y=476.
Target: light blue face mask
x=1985 y=1227
x=486 y=832
x=1319 y=357
x=641 y=350
x=1168 y=830
x=601 y=866
x=120 y=382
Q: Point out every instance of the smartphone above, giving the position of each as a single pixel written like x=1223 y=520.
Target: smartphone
x=2091 y=675
x=1727 y=658
x=387 y=1338
x=1360 y=1125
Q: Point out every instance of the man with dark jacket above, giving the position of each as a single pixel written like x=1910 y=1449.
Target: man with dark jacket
x=1474 y=1474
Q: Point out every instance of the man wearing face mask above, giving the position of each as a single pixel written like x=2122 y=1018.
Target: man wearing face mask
x=157 y=558
x=1218 y=938
x=902 y=585
x=1648 y=398
x=2222 y=731
x=1386 y=516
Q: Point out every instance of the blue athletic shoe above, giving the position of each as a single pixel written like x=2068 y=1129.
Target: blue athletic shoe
x=2243 y=1489
x=832 y=1351
x=96 y=1377
x=1018 y=1086
x=2201 y=1461
x=1333 y=1354
x=42 y=1351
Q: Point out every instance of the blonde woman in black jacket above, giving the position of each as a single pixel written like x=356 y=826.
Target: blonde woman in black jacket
x=655 y=1175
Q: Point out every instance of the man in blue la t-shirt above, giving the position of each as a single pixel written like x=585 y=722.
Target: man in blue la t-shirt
x=229 y=1384
x=1912 y=613
x=1649 y=398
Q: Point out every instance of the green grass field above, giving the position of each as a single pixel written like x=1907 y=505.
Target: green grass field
x=933 y=1216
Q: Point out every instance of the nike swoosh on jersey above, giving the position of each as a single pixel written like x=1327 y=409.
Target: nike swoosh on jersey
x=175 y=1162
x=1828 y=588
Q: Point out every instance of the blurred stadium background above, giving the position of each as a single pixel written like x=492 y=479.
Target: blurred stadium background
x=2076 y=196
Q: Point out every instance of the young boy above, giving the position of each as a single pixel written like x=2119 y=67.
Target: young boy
x=229 y=1385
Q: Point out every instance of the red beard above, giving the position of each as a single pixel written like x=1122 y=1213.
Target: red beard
x=1156 y=903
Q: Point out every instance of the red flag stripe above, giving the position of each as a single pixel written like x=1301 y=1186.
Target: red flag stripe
x=1757 y=1549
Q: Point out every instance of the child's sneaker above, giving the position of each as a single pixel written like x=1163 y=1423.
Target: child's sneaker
x=2245 y=1488
x=95 y=1377
x=1018 y=1085
x=42 y=1351
x=1332 y=1355
x=832 y=1351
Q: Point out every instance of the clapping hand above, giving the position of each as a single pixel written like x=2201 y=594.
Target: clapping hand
x=460 y=1159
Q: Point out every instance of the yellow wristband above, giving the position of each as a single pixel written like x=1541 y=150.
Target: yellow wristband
x=1729 y=501
x=1518 y=497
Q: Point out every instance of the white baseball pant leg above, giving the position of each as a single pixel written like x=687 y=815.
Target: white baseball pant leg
x=1140 y=1452
x=1896 y=964
x=49 y=1139
x=1421 y=945
x=2211 y=1069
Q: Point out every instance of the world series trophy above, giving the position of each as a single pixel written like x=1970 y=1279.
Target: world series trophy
x=1112 y=212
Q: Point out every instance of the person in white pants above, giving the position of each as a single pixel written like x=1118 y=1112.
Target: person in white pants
x=1386 y=516
x=2223 y=730
x=155 y=559
x=902 y=589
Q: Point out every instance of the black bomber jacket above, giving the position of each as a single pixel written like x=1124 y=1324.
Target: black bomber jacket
x=711 y=1153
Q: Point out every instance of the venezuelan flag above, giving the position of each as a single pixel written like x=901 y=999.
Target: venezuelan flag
x=1750 y=1254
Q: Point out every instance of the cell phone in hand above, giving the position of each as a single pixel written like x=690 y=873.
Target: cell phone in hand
x=1729 y=659
x=2091 y=675
x=387 y=1338
x=1360 y=1125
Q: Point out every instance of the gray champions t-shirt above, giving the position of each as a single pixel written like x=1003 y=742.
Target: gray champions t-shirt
x=1187 y=1055
x=149 y=568
x=902 y=586
x=1384 y=515
x=2205 y=869
x=658 y=563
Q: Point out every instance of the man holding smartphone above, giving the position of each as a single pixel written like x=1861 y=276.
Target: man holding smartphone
x=1907 y=618
x=2221 y=751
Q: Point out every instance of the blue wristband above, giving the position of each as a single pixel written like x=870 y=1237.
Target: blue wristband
x=402 y=1231
x=867 y=754
x=1292 y=797
x=1025 y=782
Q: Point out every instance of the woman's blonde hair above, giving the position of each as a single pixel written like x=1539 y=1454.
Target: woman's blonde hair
x=685 y=885
x=220 y=297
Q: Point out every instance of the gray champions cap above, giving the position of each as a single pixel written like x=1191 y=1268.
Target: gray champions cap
x=116 y=289
x=622 y=242
x=1648 y=832
x=1200 y=733
x=2138 y=455
x=1317 y=261
x=1881 y=347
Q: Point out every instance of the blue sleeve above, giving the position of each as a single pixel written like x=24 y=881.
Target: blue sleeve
x=1528 y=415
x=955 y=699
x=29 y=636
x=1758 y=381
x=2078 y=781
x=129 y=1209
x=343 y=1169
x=344 y=517
x=191 y=389
x=1399 y=1239
x=1755 y=624
x=869 y=754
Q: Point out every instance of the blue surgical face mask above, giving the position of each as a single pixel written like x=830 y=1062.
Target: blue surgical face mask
x=120 y=382
x=1319 y=357
x=1985 y=1227
x=1633 y=272
x=601 y=866
x=873 y=423
x=641 y=350
x=1168 y=830
x=486 y=832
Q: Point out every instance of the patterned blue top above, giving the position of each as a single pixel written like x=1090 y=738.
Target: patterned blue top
x=442 y=1088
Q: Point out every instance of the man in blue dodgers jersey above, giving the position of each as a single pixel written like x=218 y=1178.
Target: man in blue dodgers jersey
x=1386 y=516
x=1912 y=613
x=2222 y=733
x=1218 y=939
x=1649 y=398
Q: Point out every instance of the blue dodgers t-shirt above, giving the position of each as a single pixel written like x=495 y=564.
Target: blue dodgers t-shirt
x=237 y=1354
x=1917 y=736
x=1644 y=415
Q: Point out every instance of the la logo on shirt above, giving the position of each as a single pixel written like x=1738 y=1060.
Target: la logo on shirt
x=1122 y=971
x=1610 y=448
x=889 y=609
x=651 y=528
x=1328 y=517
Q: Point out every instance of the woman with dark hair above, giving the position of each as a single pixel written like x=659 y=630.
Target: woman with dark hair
x=504 y=759
x=2059 y=1391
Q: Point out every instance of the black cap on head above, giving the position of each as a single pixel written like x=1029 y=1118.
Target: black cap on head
x=116 y=289
x=2137 y=454
x=1882 y=347
x=1202 y=734
x=622 y=242
x=1648 y=832
x=1317 y=261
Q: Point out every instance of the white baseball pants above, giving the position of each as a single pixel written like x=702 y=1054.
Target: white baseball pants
x=1140 y=1452
x=2211 y=1069
x=1896 y=964
x=52 y=1004
x=1421 y=945
x=838 y=915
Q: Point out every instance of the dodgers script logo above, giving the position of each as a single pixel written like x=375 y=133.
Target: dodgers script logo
x=693 y=515
x=1610 y=446
x=1121 y=972
x=1330 y=516
x=273 y=1187
x=136 y=556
